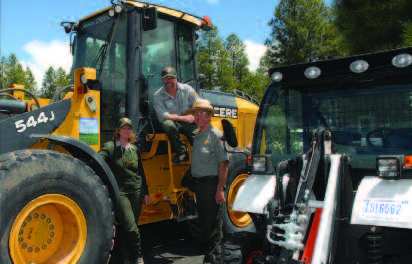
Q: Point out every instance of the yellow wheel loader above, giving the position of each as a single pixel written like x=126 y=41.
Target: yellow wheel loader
x=57 y=196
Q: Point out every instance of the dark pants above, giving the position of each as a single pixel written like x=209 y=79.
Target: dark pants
x=172 y=129
x=209 y=213
x=127 y=245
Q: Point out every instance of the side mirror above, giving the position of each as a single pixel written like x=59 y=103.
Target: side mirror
x=149 y=18
x=229 y=134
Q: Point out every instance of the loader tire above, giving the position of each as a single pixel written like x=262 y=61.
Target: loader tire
x=54 y=209
x=234 y=222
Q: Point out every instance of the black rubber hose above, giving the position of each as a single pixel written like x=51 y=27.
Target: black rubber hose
x=4 y=91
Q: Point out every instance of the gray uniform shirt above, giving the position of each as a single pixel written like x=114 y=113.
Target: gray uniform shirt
x=207 y=153
x=165 y=104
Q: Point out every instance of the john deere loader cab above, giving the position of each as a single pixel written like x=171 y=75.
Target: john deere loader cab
x=331 y=179
x=128 y=45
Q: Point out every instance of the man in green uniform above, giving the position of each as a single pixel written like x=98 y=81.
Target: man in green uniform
x=122 y=156
x=209 y=171
x=171 y=103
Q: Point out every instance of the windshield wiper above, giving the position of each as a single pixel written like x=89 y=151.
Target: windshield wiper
x=101 y=55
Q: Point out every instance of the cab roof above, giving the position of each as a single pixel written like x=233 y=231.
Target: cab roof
x=192 y=19
x=380 y=65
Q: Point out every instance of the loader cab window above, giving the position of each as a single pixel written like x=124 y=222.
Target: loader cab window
x=158 y=51
x=92 y=47
x=186 y=55
x=171 y=43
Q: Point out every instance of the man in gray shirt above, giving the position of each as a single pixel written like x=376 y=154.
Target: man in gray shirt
x=171 y=103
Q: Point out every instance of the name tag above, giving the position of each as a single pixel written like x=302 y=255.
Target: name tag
x=225 y=112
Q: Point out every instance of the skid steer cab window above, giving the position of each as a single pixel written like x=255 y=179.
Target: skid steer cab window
x=93 y=49
x=282 y=133
x=366 y=121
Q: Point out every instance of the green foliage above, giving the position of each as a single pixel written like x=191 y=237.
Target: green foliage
x=370 y=25
x=49 y=83
x=225 y=65
x=214 y=61
x=407 y=34
x=238 y=60
x=302 y=30
x=29 y=81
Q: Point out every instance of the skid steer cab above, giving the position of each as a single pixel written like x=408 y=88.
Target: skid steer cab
x=58 y=198
x=331 y=176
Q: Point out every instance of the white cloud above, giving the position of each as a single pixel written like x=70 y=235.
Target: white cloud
x=42 y=55
x=254 y=52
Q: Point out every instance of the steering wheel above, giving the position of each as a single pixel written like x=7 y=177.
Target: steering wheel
x=381 y=132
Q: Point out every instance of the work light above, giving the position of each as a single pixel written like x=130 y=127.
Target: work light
x=402 y=60
x=312 y=72
x=259 y=164
x=389 y=167
x=277 y=76
x=359 y=66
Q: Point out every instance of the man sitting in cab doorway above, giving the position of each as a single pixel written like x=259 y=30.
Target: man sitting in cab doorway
x=171 y=103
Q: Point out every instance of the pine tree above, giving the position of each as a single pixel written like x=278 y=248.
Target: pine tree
x=237 y=57
x=49 y=83
x=14 y=71
x=302 y=31
x=370 y=25
x=62 y=79
x=213 y=61
x=29 y=82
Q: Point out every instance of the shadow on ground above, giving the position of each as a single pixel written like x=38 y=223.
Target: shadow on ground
x=168 y=242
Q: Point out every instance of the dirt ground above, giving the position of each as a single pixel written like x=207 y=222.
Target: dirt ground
x=167 y=242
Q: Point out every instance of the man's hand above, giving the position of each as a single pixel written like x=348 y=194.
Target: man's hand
x=220 y=196
x=187 y=118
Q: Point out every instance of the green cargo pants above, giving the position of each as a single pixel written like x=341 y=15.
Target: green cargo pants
x=209 y=213
x=128 y=244
x=173 y=128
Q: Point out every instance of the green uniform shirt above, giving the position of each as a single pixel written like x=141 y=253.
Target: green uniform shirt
x=124 y=163
x=165 y=104
x=207 y=153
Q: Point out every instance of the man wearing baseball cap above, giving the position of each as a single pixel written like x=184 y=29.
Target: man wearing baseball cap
x=171 y=103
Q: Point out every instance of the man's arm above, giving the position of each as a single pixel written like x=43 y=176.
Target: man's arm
x=180 y=118
x=220 y=191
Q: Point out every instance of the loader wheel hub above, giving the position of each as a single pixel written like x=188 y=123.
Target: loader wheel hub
x=49 y=229
x=239 y=219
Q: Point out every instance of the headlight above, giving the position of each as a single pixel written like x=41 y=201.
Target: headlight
x=259 y=164
x=388 y=167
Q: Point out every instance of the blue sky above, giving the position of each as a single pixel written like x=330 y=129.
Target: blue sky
x=31 y=28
